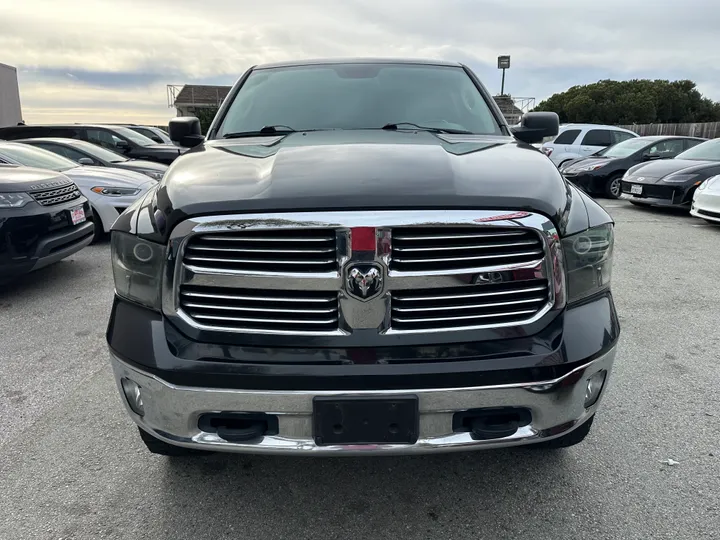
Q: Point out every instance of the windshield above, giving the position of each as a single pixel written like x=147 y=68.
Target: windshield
x=128 y=133
x=153 y=132
x=99 y=152
x=358 y=96
x=36 y=157
x=623 y=149
x=707 y=151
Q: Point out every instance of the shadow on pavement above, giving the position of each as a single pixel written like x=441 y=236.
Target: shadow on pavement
x=282 y=497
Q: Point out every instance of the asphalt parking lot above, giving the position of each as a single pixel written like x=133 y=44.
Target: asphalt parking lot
x=72 y=465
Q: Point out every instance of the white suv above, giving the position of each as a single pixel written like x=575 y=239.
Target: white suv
x=580 y=140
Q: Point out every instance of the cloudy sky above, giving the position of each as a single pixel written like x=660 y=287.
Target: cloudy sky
x=98 y=60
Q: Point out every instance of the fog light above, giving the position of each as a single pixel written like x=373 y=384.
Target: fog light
x=593 y=388
x=133 y=396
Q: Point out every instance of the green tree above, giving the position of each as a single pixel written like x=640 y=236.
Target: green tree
x=639 y=101
x=206 y=116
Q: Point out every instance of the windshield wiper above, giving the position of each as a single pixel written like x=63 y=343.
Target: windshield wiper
x=265 y=130
x=397 y=125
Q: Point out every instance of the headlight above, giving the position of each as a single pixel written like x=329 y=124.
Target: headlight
x=590 y=167
x=137 y=268
x=155 y=175
x=679 y=178
x=14 y=200
x=706 y=184
x=115 y=191
x=588 y=260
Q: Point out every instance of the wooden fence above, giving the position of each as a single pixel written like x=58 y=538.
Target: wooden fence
x=708 y=130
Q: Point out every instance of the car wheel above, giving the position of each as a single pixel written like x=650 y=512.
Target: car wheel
x=99 y=233
x=156 y=446
x=571 y=439
x=613 y=188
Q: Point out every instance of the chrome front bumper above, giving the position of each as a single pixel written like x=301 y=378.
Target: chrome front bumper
x=172 y=413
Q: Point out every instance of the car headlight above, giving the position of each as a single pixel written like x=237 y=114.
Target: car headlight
x=588 y=261
x=14 y=200
x=707 y=183
x=137 y=268
x=155 y=175
x=111 y=191
x=679 y=178
x=590 y=167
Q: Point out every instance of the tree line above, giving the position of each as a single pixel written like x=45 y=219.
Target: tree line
x=639 y=101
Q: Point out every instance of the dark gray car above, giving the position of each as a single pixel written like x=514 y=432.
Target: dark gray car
x=86 y=153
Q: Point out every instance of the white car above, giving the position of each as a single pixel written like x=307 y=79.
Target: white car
x=581 y=140
x=109 y=190
x=706 y=200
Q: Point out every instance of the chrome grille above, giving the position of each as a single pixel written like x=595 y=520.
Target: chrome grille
x=457 y=307
x=445 y=274
x=418 y=249
x=51 y=197
x=261 y=310
x=267 y=250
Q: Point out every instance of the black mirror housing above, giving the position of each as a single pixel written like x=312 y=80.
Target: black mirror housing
x=535 y=126
x=185 y=131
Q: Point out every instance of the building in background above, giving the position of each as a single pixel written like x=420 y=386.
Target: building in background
x=10 y=110
x=513 y=108
x=190 y=99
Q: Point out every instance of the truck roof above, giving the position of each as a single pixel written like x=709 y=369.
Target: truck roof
x=369 y=60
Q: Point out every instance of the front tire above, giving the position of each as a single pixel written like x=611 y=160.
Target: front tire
x=576 y=436
x=613 y=188
x=161 y=448
x=99 y=233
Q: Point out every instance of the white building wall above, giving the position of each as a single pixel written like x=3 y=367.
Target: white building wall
x=10 y=111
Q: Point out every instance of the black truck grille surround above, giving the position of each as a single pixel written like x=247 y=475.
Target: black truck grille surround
x=459 y=307
x=268 y=251
x=274 y=310
x=418 y=249
x=350 y=275
x=51 y=197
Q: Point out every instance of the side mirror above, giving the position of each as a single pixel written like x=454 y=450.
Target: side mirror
x=156 y=139
x=122 y=145
x=185 y=131
x=651 y=157
x=86 y=161
x=535 y=126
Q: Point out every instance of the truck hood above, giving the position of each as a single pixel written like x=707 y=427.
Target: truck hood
x=360 y=169
x=16 y=179
x=661 y=168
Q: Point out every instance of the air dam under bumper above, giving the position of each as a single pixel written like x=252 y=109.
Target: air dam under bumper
x=172 y=413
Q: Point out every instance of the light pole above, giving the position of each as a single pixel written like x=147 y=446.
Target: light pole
x=503 y=63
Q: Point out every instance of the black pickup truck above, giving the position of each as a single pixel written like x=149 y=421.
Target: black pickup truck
x=362 y=257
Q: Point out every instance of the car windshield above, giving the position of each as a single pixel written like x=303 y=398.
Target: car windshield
x=623 y=149
x=135 y=137
x=359 y=96
x=153 y=132
x=707 y=151
x=36 y=157
x=99 y=152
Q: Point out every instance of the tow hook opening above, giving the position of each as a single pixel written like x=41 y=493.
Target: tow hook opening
x=239 y=427
x=491 y=423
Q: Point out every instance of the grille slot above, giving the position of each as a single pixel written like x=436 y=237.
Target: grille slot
x=417 y=249
x=458 y=307
x=51 y=197
x=267 y=251
x=255 y=309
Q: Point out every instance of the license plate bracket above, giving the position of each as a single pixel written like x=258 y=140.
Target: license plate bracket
x=351 y=420
x=636 y=189
x=77 y=215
